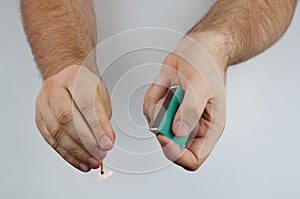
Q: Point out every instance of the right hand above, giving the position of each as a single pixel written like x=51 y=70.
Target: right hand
x=72 y=113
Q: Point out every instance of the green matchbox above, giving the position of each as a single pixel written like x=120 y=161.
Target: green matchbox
x=164 y=119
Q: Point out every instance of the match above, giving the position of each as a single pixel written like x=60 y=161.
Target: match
x=102 y=168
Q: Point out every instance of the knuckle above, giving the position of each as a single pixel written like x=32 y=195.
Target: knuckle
x=46 y=137
x=38 y=102
x=56 y=132
x=49 y=84
x=65 y=116
x=194 y=167
x=77 y=153
x=52 y=143
x=170 y=59
x=50 y=140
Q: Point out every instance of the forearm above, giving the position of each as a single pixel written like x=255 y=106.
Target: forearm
x=61 y=33
x=244 y=28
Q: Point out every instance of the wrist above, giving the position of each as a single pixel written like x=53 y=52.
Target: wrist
x=216 y=44
x=49 y=70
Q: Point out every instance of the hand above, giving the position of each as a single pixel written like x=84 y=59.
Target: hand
x=72 y=113
x=202 y=112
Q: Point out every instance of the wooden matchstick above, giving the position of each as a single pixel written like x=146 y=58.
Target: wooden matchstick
x=102 y=168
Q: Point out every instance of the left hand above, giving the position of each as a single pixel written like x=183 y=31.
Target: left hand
x=202 y=113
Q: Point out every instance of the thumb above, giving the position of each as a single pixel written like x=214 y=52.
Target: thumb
x=191 y=109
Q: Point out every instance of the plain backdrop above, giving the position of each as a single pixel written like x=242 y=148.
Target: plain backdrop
x=257 y=156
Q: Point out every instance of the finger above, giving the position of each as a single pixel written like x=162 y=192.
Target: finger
x=204 y=137
x=75 y=150
x=192 y=136
x=86 y=95
x=100 y=125
x=154 y=110
x=63 y=153
x=41 y=126
x=182 y=157
x=192 y=106
x=73 y=161
x=59 y=138
x=211 y=125
x=160 y=86
x=67 y=115
x=155 y=92
x=103 y=114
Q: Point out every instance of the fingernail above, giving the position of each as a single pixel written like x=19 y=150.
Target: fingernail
x=92 y=162
x=182 y=129
x=160 y=80
x=83 y=167
x=98 y=153
x=105 y=143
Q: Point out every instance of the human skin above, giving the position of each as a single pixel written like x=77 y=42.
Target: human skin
x=73 y=108
x=231 y=32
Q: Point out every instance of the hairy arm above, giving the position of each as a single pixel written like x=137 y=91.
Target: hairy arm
x=61 y=33
x=231 y=32
x=244 y=28
x=73 y=108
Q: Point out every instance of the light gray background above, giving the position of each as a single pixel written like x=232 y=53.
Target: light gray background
x=257 y=156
